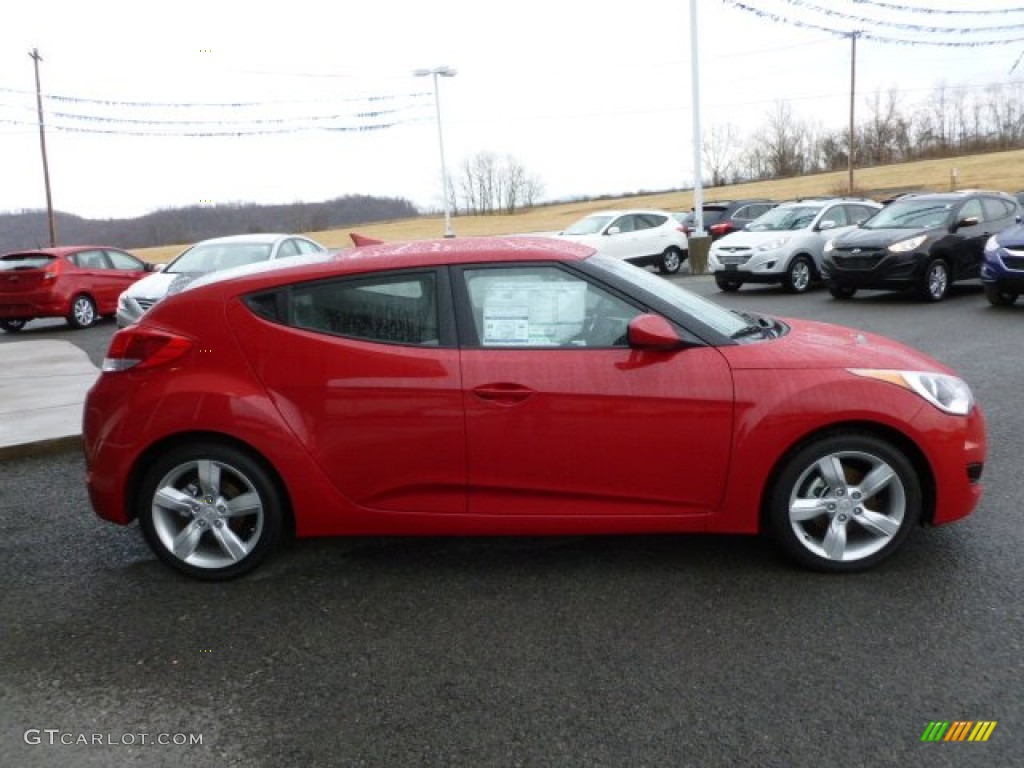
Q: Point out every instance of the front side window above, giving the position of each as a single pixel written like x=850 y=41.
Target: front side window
x=543 y=306
x=124 y=261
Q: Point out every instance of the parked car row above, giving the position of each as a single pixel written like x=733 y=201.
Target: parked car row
x=919 y=242
x=84 y=283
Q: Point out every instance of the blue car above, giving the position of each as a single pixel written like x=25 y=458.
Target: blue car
x=1002 y=270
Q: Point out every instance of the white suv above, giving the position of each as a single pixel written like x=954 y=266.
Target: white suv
x=639 y=237
x=785 y=245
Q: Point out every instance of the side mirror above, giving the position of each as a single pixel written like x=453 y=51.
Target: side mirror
x=652 y=332
x=970 y=221
x=159 y=267
x=613 y=231
x=827 y=224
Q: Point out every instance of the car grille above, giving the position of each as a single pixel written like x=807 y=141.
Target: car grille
x=1014 y=260
x=145 y=304
x=733 y=255
x=849 y=260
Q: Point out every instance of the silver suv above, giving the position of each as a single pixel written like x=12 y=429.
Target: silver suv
x=785 y=245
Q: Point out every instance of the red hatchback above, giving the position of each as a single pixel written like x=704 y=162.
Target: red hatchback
x=513 y=386
x=80 y=283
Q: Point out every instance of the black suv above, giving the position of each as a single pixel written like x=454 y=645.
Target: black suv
x=725 y=216
x=921 y=242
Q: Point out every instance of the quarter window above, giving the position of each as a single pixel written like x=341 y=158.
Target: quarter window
x=396 y=309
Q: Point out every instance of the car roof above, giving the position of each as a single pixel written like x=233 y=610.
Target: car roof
x=953 y=196
x=403 y=255
x=622 y=211
x=261 y=238
x=63 y=250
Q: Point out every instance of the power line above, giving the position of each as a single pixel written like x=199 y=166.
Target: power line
x=939 y=11
x=866 y=34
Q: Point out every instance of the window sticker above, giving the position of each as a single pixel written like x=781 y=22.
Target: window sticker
x=532 y=314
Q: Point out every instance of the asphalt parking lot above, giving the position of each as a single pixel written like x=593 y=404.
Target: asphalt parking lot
x=612 y=651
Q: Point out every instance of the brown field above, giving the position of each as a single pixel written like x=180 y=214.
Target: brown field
x=998 y=170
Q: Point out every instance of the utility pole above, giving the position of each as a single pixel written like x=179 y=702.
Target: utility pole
x=34 y=55
x=853 y=91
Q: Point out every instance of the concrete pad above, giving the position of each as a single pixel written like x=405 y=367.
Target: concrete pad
x=42 y=391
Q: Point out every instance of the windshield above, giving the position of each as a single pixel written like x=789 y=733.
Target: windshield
x=589 y=225
x=785 y=218
x=912 y=214
x=215 y=256
x=722 y=320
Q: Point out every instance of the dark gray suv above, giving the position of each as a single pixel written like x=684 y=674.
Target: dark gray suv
x=920 y=242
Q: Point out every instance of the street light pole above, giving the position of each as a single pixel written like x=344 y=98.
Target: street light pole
x=442 y=72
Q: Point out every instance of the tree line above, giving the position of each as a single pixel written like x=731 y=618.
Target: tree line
x=953 y=120
x=30 y=229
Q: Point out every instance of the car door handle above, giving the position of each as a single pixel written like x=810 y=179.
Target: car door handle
x=503 y=394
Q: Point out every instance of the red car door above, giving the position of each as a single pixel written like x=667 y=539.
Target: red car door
x=564 y=419
x=362 y=379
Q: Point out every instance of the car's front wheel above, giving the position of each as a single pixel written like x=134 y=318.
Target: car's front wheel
x=210 y=510
x=844 y=502
x=934 y=283
x=998 y=297
x=13 y=325
x=797 y=279
x=83 y=312
x=727 y=284
x=671 y=261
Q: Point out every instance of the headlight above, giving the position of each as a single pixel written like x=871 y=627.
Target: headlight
x=829 y=245
x=771 y=245
x=907 y=245
x=947 y=393
x=991 y=246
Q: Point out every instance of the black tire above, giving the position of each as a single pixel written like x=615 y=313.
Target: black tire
x=12 y=326
x=998 y=297
x=190 y=490
x=844 y=502
x=727 y=284
x=842 y=291
x=83 y=312
x=798 y=276
x=671 y=260
x=934 y=284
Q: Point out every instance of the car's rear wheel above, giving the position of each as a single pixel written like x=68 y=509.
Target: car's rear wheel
x=934 y=283
x=13 y=325
x=83 y=312
x=210 y=510
x=844 y=502
x=671 y=261
x=998 y=297
x=727 y=284
x=842 y=291
x=797 y=278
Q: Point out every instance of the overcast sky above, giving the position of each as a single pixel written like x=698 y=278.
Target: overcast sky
x=593 y=97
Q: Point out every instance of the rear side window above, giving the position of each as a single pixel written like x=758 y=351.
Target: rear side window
x=997 y=209
x=394 y=309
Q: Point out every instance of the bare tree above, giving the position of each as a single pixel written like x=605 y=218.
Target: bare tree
x=489 y=184
x=720 y=148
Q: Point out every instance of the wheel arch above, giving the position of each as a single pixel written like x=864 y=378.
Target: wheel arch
x=873 y=429
x=172 y=442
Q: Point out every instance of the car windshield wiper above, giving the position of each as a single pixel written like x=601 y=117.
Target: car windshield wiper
x=756 y=324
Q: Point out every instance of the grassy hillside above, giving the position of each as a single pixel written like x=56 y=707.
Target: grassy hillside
x=998 y=170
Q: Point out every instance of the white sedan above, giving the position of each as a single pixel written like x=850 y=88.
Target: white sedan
x=204 y=257
x=642 y=237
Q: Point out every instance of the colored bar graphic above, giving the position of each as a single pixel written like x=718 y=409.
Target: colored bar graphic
x=935 y=731
x=959 y=730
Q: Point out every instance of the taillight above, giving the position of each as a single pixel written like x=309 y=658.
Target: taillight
x=54 y=268
x=140 y=348
x=721 y=229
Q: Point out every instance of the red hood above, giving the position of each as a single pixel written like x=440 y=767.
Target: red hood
x=820 y=345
